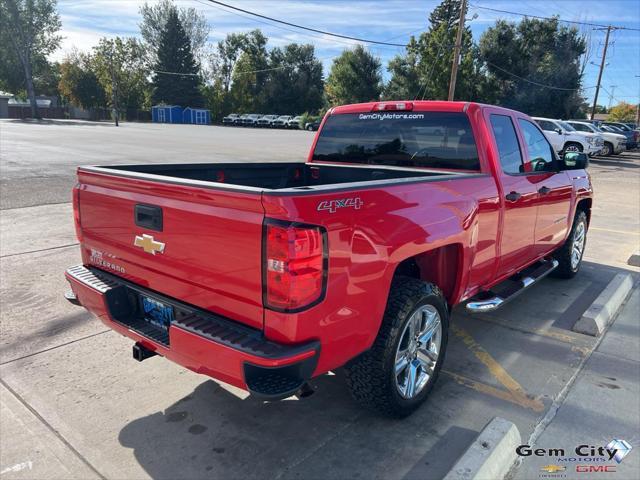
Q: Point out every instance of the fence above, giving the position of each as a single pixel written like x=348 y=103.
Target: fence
x=75 y=113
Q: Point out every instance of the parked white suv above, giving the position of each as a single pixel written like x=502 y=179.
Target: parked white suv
x=564 y=138
x=613 y=143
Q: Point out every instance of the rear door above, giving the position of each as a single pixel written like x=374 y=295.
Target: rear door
x=196 y=244
x=519 y=194
x=554 y=188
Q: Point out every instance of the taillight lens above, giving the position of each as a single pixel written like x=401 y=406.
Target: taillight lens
x=393 y=106
x=294 y=265
x=76 y=211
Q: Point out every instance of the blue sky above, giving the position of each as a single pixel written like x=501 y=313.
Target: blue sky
x=85 y=21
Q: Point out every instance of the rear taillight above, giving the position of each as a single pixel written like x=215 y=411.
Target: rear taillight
x=75 y=195
x=294 y=266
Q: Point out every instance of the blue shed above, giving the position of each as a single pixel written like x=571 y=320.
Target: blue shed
x=197 y=116
x=166 y=114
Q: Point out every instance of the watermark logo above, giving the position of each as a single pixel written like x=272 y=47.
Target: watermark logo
x=553 y=468
x=621 y=447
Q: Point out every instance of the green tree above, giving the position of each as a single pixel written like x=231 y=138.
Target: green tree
x=31 y=28
x=79 y=83
x=223 y=61
x=424 y=70
x=154 y=22
x=250 y=74
x=176 y=78
x=405 y=79
x=121 y=70
x=355 y=76
x=294 y=83
x=622 y=112
x=523 y=59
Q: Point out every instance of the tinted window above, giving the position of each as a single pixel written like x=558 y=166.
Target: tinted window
x=546 y=125
x=540 y=152
x=410 y=139
x=507 y=141
x=620 y=126
x=581 y=128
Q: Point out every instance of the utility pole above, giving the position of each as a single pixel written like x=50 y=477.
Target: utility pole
x=456 y=52
x=114 y=87
x=604 y=57
x=638 y=105
x=613 y=89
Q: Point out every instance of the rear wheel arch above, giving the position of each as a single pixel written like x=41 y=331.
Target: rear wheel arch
x=441 y=266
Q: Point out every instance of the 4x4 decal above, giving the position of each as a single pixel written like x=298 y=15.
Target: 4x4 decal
x=333 y=205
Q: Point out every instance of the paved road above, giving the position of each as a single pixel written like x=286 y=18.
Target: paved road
x=75 y=405
x=38 y=160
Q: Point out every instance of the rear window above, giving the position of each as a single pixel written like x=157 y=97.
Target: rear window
x=407 y=139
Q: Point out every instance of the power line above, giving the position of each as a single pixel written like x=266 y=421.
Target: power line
x=575 y=22
x=302 y=27
x=206 y=3
x=177 y=73
x=552 y=87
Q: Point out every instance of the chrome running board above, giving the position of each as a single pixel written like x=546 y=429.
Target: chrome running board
x=495 y=301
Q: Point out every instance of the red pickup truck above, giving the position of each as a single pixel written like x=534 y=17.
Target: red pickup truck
x=267 y=275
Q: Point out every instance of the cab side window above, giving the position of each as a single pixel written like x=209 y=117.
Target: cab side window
x=545 y=125
x=540 y=152
x=507 y=141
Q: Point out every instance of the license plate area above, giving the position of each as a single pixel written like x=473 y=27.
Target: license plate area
x=157 y=313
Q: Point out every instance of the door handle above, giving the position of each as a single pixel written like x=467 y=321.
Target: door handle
x=544 y=190
x=513 y=196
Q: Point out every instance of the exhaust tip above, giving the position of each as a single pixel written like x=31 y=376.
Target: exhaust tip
x=305 y=391
x=140 y=352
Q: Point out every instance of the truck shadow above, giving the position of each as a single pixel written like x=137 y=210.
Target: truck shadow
x=214 y=433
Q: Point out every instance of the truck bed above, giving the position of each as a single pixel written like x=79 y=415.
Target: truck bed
x=274 y=176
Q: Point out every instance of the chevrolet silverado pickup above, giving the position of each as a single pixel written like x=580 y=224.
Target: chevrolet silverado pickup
x=267 y=275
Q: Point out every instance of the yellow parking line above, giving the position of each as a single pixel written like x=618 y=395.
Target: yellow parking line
x=505 y=395
x=515 y=392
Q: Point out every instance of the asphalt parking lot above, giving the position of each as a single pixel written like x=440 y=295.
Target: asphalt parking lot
x=76 y=405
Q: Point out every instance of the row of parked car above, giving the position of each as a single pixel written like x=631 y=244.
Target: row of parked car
x=268 y=121
x=593 y=137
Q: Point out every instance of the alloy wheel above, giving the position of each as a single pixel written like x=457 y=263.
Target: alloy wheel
x=579 y=237
x=418 y=351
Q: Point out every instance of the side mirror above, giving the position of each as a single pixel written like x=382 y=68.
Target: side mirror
x=575 y=161
x=559 y=131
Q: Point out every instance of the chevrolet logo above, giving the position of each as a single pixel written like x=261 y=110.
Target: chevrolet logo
x=553 y=468
x=148 y=244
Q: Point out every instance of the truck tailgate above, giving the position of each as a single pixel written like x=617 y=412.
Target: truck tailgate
x=206 y=252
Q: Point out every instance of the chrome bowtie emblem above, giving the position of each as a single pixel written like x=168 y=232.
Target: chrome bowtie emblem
x=148 y=244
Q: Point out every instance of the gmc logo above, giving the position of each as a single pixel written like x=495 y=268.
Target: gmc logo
x=595 y=468
x=333 y=205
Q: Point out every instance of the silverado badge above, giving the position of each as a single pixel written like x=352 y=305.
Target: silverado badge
x=148 y=244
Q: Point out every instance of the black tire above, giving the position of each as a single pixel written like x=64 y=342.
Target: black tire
x=371 y=376
x=310 y=128
x=607 y=149
x=567 y=269
x=571 y=147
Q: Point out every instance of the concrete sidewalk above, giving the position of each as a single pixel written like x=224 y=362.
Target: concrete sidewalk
x=602 y=405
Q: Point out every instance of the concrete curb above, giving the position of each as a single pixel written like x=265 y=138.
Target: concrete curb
x=599 y=314
x=491 y=455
